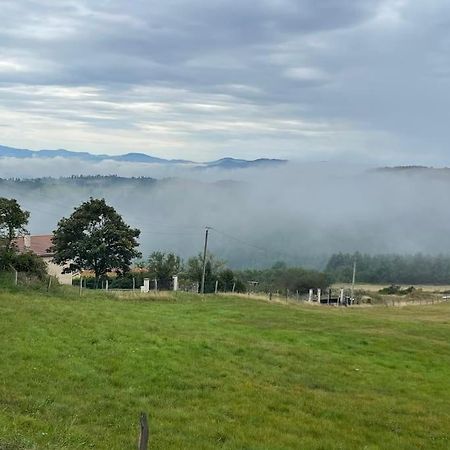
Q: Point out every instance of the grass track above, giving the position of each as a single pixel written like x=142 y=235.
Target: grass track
x=221 y=373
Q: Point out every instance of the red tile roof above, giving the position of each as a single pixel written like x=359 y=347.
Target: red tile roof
x=37 y=244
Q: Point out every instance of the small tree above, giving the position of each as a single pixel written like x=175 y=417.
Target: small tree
x=95 y=237
x=163 y=266
x=13 y=220
x=194 y=270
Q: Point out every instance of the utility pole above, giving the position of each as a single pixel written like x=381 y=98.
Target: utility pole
x=353 y=281
x=202 y=289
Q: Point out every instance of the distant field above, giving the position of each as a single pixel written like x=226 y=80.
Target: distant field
x=223 y=372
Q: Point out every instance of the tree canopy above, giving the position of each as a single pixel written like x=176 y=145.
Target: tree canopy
x=13 y=220
x=163 y=266
x=95 y=237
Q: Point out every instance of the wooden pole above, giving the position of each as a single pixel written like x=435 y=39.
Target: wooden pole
x=353 y=282
x=16 y=278
x=205 y=249
x=144 y=434
x=216 y=287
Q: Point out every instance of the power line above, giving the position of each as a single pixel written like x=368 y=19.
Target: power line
x=267 y=251
x=168 y=233
x=240 y=240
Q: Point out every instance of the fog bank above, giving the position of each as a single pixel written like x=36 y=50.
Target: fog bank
x=298 y=213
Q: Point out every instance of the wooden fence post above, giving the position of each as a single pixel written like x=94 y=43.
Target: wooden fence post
x=144 y=434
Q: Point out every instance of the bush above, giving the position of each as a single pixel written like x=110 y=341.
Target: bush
x=394 y=289
x=31 y=264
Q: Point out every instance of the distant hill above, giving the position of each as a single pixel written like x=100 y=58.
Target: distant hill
x=232 y=163
x=224 y=163
x=412 y=169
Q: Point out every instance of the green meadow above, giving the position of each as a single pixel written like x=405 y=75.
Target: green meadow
x=220 y=372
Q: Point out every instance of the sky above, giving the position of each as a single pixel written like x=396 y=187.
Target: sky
x=308 y=80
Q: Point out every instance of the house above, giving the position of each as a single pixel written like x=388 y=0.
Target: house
x=40 y=244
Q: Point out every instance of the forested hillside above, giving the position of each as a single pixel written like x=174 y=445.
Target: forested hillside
x=406 y=269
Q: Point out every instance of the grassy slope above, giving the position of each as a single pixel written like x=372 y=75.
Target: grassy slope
x=223 y=373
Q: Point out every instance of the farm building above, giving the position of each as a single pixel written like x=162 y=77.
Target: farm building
x=40 y=245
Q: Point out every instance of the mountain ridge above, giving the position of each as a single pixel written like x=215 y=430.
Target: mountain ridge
x=135 y=157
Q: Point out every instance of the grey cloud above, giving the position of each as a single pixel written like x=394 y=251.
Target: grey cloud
x=374 y=72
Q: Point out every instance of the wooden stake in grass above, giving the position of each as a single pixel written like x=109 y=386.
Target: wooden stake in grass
x=144 y=434
x=15 y=275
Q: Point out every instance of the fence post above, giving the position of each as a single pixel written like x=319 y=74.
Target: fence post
x=144 y=434
x=16 y=278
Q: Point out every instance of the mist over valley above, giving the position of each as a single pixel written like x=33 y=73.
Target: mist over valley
x=299 y=213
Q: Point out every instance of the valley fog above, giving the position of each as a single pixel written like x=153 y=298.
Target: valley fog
x=297 y=213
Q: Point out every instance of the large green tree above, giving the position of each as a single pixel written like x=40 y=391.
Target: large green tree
x=13 y=220
x=95 y=237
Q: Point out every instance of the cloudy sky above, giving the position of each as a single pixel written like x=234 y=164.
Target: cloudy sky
x=365 y=80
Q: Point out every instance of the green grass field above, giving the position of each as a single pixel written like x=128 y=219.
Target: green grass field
x=230 y=373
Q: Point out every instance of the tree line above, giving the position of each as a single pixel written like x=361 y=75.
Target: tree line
x=390 y=268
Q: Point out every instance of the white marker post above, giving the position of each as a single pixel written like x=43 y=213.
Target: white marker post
x=146 y=287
